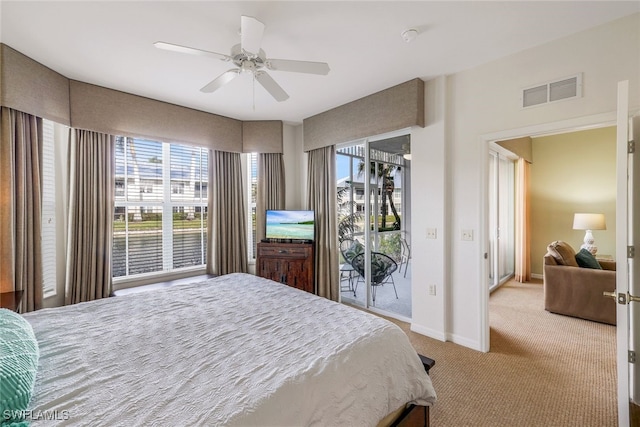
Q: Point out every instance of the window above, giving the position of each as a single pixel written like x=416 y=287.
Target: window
x=252 y=177
x=48 y=210
x=120 y=187
x=160 y=211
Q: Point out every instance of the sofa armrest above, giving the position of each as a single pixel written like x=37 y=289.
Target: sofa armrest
x=577 y=291
x=607 y=264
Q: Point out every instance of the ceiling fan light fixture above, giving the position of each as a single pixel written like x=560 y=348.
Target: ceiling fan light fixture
x=409 y=34
x=249 y=58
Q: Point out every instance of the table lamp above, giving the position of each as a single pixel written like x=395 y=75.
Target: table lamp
x=588 y=222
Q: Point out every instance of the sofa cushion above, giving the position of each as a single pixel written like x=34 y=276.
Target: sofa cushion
x=584 y=258
x=563 y=253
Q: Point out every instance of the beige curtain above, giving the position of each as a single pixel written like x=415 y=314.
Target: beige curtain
x=21 y=206
x=227 y=223
x=321 y=190
x=90 y=222
x=271 y=188
x=523 y=237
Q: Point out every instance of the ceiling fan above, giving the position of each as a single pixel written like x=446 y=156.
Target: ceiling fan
x=248 y=57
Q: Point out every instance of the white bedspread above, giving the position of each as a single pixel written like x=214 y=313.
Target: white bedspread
x=234 y=350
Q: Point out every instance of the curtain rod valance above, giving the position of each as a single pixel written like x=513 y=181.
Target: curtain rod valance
x=110 y=111
x=262 y=136
x=395 y=108
x=28 y=86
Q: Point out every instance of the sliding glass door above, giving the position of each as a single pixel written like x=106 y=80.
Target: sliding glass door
x=501 y=219
x=373 y=223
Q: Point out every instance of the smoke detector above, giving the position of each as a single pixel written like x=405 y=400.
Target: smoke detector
x=409 y=34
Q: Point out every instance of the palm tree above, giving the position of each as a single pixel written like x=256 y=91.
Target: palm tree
x=347 y=215
x=385 y=172
x=122 y=144
x=137 y=216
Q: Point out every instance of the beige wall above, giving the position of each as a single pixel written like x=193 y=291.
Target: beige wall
x=482 y=105
x=572 y=172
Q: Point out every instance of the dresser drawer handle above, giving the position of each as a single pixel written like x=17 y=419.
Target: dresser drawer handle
x=282 y=251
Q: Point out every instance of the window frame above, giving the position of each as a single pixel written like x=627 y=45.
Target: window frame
x=168 y=204
x=48 y=214
x=252 y=194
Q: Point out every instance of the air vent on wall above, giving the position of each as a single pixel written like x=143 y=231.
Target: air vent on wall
x=557 y=90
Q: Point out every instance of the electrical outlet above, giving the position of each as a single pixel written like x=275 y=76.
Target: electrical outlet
x=467 y=235
x=432 y=290
x=432 y=233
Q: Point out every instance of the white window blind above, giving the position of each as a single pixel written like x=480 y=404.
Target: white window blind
x=160 y=207
x=252 y=172
x=48 y=210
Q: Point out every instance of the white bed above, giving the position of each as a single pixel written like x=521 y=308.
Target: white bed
x=232 y=350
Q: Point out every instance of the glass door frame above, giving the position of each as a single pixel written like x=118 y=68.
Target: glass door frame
x=496 y=215
x=369 y=233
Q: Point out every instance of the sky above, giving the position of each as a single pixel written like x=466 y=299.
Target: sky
x=342 y=167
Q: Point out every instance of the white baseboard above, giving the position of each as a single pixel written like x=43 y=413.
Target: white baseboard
x=440 y=336
x=428 y=332
x=465 y=342
x=536 y=276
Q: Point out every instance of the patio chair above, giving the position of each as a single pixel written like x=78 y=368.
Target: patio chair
x=405 y=256
x=382 y=269
x=349 y=248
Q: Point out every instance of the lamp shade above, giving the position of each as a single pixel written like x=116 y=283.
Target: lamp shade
x=589 y=221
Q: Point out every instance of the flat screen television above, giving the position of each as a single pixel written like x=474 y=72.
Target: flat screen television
x=290 y=225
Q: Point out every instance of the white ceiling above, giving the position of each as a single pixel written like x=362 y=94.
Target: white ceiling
x=111 y=44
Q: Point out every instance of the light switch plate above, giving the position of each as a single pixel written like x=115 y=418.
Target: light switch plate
x=432 y=233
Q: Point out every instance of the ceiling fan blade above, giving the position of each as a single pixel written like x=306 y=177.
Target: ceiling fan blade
x=221 y=80
x=251 y=31
x=271 y=86
x=190 y=50
x=298 y=66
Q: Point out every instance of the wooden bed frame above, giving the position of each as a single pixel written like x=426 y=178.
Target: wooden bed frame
x=415 y=415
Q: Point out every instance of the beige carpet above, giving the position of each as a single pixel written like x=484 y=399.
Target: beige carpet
x=543 y=369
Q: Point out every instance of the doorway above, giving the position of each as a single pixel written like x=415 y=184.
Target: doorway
x=373 y=187
x=562 y=220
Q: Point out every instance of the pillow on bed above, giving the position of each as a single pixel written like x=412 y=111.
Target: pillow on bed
x=18 y=366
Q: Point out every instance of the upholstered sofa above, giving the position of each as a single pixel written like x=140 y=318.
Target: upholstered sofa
x=576 y=291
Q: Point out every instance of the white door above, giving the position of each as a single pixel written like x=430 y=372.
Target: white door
x=628 y=271
x=634 y=265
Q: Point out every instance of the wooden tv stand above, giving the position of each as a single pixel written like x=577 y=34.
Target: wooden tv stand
x=289 y=263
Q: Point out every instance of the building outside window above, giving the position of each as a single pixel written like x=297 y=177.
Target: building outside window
x=252 y=177
x=160 y=207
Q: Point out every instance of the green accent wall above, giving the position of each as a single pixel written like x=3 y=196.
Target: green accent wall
x=572 y=172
